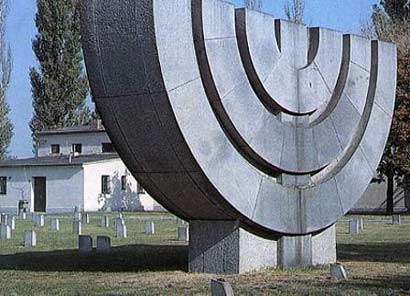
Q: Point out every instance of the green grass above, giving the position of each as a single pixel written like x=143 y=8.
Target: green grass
x=377 y=261
x=165 y=226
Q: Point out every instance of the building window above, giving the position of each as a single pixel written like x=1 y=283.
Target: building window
x=3 y=185
x=108 y=148
x=105 y=185
x=55 y=149
x=77 y=148
x=123 y=183
x=140 y=189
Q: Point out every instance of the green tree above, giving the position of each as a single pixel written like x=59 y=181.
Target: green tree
x=295 y=12
x=254 y=4
x=390 y=22
x=6 y=128
x=59 y=84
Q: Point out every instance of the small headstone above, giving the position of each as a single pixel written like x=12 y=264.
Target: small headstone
x=12 y=223
x=118 y=220
x=361 y=224
x=30 y=238
x=149 y=228
x=23 y=215
x=4 y=219
x=105 y=221
x=85 y=243
x=55 y=224
x=338 y=272
x=121 y=228
x=77 y=229
x=5 y=232
x=183 y=234
x=396 y=220
x=86 y=218
x=77 y=216
x=40 y=220
x=219 y=287
x=120 y=217
x=34 y=217
x=354 y=226
x=103 y=244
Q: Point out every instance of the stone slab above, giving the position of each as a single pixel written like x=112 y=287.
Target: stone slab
x=220 y=287
x=149 y=228
x=338 y=272
x=55 y=224
x=105 y=221
x=30 y=238
x=103 y=244
x=354 y=227
x=85 y=243
x=77 y=227
x=183 y=234
x=5 y=232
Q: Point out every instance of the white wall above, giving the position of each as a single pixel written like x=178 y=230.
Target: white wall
x=128 y=199
x=374 y=199
x=91 y=142
x=64 y=187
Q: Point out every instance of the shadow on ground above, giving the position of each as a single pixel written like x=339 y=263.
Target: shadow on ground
x=373 y=284
x=381 y=252
x=121 y=259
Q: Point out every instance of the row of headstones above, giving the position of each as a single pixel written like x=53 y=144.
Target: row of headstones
x=356 y=225
x=8 y=224
x=85 y=244
x=30 y=237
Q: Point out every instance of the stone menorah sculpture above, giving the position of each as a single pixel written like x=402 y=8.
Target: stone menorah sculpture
x=260 y=132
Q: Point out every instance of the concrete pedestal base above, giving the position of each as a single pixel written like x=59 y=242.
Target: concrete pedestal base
x=308 y=250
x=222 y=247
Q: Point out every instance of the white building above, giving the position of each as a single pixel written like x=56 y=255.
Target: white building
x=74 y=167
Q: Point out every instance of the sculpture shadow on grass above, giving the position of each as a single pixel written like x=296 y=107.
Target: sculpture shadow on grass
x=132 y=258
x=375 y=252
x=373 y=284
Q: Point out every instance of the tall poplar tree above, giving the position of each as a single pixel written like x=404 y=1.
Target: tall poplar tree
x=6 y=128
x=254 y=4
x=295 y=11
x=59 y=84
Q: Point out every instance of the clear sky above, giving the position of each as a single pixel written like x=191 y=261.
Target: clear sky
x=341 y=15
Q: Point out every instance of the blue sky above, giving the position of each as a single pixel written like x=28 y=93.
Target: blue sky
x=341 y=15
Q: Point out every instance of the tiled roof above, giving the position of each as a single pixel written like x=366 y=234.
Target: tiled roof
x=63 y=160
x=74 y=129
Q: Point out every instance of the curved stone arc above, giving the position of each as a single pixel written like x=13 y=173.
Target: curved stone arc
x=130 y=109
x=224 y=178
x=341 y=161
x=319 y=205
x=308 y=86
x=259 y=136
x=284 y=202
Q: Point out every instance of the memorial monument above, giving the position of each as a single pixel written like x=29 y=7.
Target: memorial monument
x=260 y=132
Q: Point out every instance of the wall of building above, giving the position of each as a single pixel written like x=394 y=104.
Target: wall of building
x=374 y=200
x=91 y=142
x=64 y=187
x=119 y=199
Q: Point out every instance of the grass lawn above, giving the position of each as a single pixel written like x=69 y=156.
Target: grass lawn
x=377 y=261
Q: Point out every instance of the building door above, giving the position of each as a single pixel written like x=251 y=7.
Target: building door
x=39 y=194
